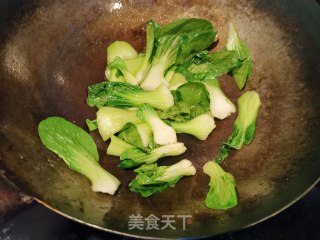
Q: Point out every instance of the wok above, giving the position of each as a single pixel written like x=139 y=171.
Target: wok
x=52 y=50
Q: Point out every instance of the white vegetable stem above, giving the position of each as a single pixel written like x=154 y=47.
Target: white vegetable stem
x=163 y=134
x=220 y=106
x=154 y=78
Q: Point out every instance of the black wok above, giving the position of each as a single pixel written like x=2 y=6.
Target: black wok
x=52 y=50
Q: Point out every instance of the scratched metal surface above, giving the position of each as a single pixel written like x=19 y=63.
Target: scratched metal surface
x=51 y=52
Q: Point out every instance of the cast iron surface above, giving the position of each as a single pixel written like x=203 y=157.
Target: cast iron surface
x=51 y=52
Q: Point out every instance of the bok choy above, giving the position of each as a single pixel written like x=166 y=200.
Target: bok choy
x=149 y=97
x=244 y=126
x=222 y=193
x=174 y=43
x=78 y=150
x=124 y=95
x=133 y=157
x=152 y=179
x=241 y=73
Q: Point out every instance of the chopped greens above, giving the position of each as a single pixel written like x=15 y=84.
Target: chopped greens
x=220 y=106
x=119 y=49
x=134 y=156
x=177 y=80
x=78 y=150
x=92 y=124
x=205 y=65
x=244 y=126
x=111 y=120
x=241 y=73
x=174 y=43
x=125 y=95
x=118 y=146
x=200 y=126
x=119 y=64
x=180 y=112
x=149 y=97
x=138 y=135
x=195 y=96
x=152 y=179
x=222 y=193
x=150 y=39
x=163 y=134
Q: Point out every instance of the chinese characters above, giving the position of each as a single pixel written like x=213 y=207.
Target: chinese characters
x=152 y=222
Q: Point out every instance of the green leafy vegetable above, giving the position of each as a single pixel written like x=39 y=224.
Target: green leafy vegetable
x=129 y=66
x=245 y=124
x=119 y=64
x=170 y=73
x=196 y=35
x=241 y=73
x=177 y=80
x=164 y=58
x=111 y=120
x=162 y=133
x=194 y=94
x=78 y=150
x=174 y=43
x=220 y=106
x=222 y=193
x=200 y=127
x=114 y=75
x=117 y=146
x=138 y=135
x=116 y=94
x=134 y=64
x=214 y=64
x=120 y=49
x=152 y=179
x=92 y=124
x=135 y=157
x=180 y=112
x=205 y=65
x=171 y=87
x=145 y=66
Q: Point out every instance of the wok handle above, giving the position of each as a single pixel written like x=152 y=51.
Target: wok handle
x=11 y=198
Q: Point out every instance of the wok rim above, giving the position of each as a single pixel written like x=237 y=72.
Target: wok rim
x=277 y=209
x=246 y=226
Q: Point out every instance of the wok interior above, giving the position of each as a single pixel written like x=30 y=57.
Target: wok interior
x=53 y=51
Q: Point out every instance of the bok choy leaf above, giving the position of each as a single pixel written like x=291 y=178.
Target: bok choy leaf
x=244 y=126
x=78 y=150
x=222 y=193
